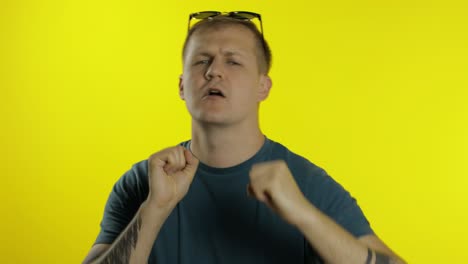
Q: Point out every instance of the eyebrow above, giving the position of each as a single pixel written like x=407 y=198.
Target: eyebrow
x=225 y=54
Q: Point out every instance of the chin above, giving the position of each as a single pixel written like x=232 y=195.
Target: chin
x=211 y=119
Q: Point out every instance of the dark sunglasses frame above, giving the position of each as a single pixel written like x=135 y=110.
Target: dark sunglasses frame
x=241 y=15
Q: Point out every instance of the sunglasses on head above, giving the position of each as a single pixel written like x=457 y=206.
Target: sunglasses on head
x=241 y=15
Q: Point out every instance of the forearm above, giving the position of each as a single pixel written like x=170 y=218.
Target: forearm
x=334 y=243
x=134 y=244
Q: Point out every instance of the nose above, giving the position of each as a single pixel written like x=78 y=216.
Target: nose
x=214 y=70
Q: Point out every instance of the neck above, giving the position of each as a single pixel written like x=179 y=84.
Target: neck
x=223 y=147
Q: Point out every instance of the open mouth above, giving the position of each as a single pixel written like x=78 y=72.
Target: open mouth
x=215 y=92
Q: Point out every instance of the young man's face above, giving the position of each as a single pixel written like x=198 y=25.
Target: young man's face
x=221 y=83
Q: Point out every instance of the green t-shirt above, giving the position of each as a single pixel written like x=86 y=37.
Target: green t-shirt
x=216 y=222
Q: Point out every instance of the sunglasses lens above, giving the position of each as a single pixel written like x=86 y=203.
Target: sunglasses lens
x=204 y=15
x=243 y=15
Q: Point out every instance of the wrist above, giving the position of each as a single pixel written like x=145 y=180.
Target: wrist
x=150 y=208
x=306 y=214
x=156 y=203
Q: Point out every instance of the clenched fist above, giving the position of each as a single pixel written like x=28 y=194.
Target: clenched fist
x=171 y=172
x=273 y=184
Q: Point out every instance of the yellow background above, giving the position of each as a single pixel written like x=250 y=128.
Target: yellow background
x=373 y=91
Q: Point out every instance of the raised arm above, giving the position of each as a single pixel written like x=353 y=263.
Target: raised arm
x=171 y=172
x=273 y=184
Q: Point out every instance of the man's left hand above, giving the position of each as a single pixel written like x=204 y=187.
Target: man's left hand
x=273 y=184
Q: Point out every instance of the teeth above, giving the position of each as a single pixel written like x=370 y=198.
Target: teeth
x=212 y=91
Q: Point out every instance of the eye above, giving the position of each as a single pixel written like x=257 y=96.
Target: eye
x=202 y=62
x=232 y=62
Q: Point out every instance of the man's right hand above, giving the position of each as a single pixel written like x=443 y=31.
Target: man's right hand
x=171 y=172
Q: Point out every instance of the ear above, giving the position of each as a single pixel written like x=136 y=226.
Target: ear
x=265 y=86
x=181 y=87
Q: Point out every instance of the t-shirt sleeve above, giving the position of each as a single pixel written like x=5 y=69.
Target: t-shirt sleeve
x=124 y=201
x=337 y=203
x=333 y=200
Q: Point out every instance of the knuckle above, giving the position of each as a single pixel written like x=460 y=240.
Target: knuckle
x=280 y=166
x=152 y=160
x=178 y=149
x=253 y=172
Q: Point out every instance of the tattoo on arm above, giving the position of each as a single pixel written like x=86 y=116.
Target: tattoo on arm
x=369 y=256
x=379 y=258
x=383 y=259
x=120 y=254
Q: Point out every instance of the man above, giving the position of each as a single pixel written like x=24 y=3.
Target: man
x=231 y=195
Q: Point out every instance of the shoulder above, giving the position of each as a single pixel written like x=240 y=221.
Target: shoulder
x=316 y=184
x=137 y=175
x=133 y=184
x=324 y=192
x=299 y=165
